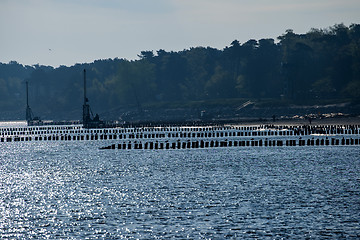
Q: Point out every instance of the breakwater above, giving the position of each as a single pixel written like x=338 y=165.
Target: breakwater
x=187 y=137
x=232 y=143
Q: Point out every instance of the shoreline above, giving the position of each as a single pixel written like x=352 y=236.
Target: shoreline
x=299 y=122
x=346 y=120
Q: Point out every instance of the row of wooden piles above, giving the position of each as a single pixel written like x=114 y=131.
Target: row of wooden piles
x=233 y=143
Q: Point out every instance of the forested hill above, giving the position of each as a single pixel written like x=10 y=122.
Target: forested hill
x=321 y=66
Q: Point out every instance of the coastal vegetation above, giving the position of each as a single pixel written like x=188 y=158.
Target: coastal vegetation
x=321 y=66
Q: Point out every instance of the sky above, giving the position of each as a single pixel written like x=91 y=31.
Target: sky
x=66 y=32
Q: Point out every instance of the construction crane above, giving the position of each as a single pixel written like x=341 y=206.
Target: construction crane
x=89 y=121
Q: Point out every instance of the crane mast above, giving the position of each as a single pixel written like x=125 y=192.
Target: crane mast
x=86 y=107
x=29 y=117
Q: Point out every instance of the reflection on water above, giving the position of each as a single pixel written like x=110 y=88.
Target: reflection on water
x=74 y=190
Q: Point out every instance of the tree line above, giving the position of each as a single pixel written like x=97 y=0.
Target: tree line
x=322 y=65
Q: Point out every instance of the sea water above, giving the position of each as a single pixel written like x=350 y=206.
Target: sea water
x=74 y=190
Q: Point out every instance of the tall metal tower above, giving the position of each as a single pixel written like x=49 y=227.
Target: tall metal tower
x=86 y=106
x=29 y=115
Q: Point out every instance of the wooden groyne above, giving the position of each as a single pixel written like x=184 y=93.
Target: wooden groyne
x=181 y=137
x=233 y=143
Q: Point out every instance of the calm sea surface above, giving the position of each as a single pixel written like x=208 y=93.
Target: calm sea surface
x=73 y=190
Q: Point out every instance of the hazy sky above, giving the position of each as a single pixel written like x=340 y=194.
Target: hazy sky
x=65 y=32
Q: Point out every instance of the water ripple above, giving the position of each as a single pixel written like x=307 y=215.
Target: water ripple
x=75 y=191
